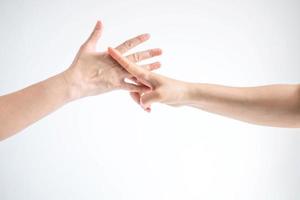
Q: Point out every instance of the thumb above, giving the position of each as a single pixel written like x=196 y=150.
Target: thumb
x=148 y=98
x=95 y=36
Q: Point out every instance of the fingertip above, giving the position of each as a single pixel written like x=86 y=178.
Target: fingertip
x=154 y=66
x=98 y=25
x=145 y=36
x=159 y=51
x=142 y=104
x=155 y=52
x=158 y=65
x=109 y=50
x=112 y=51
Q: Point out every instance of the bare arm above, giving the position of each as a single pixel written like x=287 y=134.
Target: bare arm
x=22 y=108
x=273 y=105
x=91 y=73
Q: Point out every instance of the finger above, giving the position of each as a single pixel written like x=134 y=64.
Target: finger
x=129 y=66
x=136 y=97
x=134 y=88
x=129 y=44
x=139 y=56
x=152 y=66
x=95 y=35
x=148 y=98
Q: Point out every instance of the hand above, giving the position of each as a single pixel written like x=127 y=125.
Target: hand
x=93 y=73
x=163 y=89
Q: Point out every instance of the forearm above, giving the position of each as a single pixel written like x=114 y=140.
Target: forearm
x=22 y=108
x=273 y=105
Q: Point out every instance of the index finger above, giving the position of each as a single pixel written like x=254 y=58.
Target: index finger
x=129 y=66
x=133 y=42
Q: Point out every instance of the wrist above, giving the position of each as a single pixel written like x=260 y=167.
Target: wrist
x=193 y=94
x=184 y=94
x=56 y=88
x=71 y=89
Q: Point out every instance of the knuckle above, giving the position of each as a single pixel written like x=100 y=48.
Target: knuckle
x=147 y=67
x=136 y=57
x=83 y=46
x=151 y=52
x=128 y=44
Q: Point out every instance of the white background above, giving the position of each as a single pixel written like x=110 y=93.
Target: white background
x=106 y=147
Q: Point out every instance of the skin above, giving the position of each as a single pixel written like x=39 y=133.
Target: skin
x=270 y=105
x=91 y=73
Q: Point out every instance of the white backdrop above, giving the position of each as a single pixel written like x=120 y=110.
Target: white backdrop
x=106 y=147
